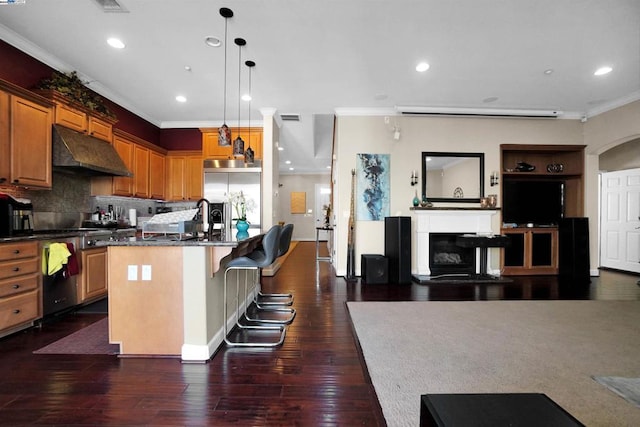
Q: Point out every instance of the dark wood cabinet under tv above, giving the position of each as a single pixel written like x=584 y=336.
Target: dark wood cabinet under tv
x=534 y=247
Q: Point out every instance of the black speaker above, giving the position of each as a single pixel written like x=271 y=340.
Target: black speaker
x=374 y=269
x=397 y=248
x=573 y=249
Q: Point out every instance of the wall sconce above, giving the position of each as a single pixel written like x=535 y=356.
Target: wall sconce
x=414 y=178
x=493 y=180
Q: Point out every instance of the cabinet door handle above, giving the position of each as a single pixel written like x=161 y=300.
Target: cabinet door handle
x=16 y=311
x=16 y=269
x=16 y=286
x=16 y=252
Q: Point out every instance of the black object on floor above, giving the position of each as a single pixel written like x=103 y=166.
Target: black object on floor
x=501 y=409
x=375 y=269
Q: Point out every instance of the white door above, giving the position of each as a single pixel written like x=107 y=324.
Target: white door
x=620 y=220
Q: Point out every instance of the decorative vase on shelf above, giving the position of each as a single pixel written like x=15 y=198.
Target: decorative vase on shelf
x=242 y=226
x=416 y=201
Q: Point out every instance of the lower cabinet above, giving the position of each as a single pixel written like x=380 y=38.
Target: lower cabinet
x=532 y=251
x=93 y=279
x=20 y=284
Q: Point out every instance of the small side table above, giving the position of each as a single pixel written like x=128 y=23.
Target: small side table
x=329 y=231
x=484 y=243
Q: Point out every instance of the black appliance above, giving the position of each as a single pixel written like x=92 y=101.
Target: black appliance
x=374 y=269
x=536 y=202
x=573 y=249
x=16 y=218
x=397 y=248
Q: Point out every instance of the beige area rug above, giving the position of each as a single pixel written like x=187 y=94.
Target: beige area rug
x=551 y=347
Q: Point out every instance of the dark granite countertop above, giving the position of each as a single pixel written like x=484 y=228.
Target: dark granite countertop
x=138 y=241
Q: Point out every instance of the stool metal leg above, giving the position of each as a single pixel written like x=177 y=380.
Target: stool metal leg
x=280 y=329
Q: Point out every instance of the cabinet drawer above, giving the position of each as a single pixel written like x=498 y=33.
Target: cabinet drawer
x=12 y=251
x=18 y=268
x=18 y=285
x=18 y=309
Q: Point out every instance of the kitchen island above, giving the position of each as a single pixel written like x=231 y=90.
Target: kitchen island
x=166 y=296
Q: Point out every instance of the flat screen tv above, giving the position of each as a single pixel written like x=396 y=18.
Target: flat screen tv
x=534 y=202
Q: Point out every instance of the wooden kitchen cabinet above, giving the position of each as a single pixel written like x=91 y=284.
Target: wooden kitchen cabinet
x=123 y=186
x=25 y=138
x=157 y=173
x=145 y=161
x=211 y=149
x=532 y=251
x=140 y=171
x=184 y=176
x=20 y=286
x=93 y=279
x=79 y=118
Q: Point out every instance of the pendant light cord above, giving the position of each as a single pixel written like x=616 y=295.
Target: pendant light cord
x=224 y=108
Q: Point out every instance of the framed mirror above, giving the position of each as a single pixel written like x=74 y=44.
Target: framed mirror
x=453 y=177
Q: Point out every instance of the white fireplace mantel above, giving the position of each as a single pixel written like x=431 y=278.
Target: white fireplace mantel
x=448 y=220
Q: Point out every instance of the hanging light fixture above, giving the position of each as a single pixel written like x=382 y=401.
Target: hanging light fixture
x=224 y=133
x=249 y=154
x=238 y=143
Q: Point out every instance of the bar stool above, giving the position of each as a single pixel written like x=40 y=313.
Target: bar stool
x=263 y=299
x=254 y=261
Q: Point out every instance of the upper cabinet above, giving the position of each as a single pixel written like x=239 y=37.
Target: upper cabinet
x=211 y=150
x=144 y=160
x=25 y=138
x=184 y=176
x=79 y=118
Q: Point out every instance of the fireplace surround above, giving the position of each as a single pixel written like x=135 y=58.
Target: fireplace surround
x=448 y=220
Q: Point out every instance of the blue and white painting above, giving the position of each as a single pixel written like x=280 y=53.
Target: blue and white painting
x=372 y=187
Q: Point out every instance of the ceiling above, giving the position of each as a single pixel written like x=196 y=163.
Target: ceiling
x=320 y=58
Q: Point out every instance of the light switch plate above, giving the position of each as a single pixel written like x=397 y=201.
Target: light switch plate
x=146 y=272
x=132 y=272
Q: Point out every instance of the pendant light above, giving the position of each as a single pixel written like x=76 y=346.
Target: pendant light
x=224 y=133
x=238 y=143
x=249 y=154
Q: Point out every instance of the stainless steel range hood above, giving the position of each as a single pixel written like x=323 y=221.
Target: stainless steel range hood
x=83 y=154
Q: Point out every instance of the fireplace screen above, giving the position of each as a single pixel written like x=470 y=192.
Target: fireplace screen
x=445 y=257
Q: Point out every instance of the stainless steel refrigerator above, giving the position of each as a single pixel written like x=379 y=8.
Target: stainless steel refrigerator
x=225 y=177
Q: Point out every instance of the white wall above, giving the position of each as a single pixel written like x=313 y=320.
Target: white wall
x=304 y=225
x=369 y=134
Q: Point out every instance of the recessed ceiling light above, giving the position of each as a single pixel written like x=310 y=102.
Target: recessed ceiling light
x=246 y=97
x=422 y=67
x=329 y=167
x=115 y=43
x=548 y=71
x=602 y=71
x=213 y=41
x=187 y=68
x=280 y=148
x=287 y=162
x=291 y=169
x=181 y=98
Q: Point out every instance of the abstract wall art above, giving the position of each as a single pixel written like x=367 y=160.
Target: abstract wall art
x=372 y=187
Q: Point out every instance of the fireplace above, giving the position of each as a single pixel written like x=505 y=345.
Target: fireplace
x=451 y=221
x=447 y=258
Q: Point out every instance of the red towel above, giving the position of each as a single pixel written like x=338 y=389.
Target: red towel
x=71 y=268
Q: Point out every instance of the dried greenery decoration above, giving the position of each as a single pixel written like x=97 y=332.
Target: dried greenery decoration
x=73 y=88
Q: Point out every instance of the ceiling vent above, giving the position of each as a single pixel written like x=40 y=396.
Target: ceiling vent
x=477 y=112
x=290 y=117
x=110 y=6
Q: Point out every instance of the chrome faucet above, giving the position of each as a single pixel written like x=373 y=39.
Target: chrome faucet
x=206 y=216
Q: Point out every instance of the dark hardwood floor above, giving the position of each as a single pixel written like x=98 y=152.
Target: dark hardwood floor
x=316 y=378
